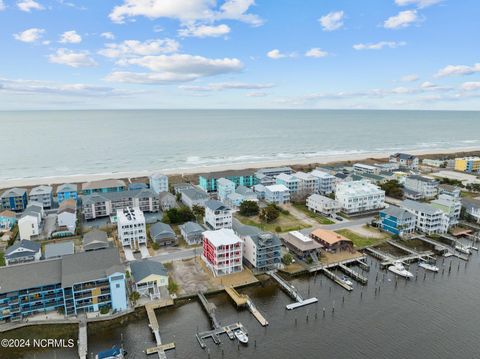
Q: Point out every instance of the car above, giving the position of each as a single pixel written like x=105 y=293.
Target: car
x=338 y=218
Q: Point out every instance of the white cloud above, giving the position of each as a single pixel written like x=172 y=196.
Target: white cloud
x=451 y=70
x=401 y=20
x=28 y=5
x=30 y=35
x=256 y=94
x=220 y=86
x=70 y=37
x=129 y=48
x=72 y=58
x=277 y=54
x=379 y=45
x=332 y=21
x=471 y=86
x=174 y=68
x=419 y=3
x=108 y=35
x=316 y=52
x=204 y=31
x=2 y=5
x=187 y=11
x=410 y=78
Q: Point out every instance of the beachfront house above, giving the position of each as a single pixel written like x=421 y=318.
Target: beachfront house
x=191 y=232
x=397 y=221
x=277 y=194
x=131 y=228
x=405 y=160
x=67 y=191
x=14 y=199
x=180 y=187
x=23 y=251
x=217 y=215
x=331 y=241
x=150 y=278
x=43 y=195
x=302 y=246
x=225 y=187
x=194 y=197
x=158 y=182
x=326 y=181
x=73 y=284
x=163 y=234
x=323 y=205
x=167 y=201
x=208 y=181
x=222 y=251
x=428 y=219
x=361 y=168
x=425 y=186
x=468 y=164
x=8 y=219
x=275 y=171
x=307 y=183
x=29 y=224
x=359 y=197
x=103 y=186
x=289 y=181
x=95 y=240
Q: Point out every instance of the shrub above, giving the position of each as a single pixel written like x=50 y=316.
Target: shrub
x=249 y=208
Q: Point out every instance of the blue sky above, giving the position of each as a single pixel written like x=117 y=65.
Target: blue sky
x=348 y=54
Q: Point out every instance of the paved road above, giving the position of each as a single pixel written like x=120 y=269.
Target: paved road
x=176 y=255
x=348 y=224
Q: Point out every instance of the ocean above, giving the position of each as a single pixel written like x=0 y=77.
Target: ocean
x=38 y=144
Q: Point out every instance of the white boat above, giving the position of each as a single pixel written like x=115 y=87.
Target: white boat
x=241 y=336
x=463 y=249
x=347 y=281
x=400 y=270
x=428 y=266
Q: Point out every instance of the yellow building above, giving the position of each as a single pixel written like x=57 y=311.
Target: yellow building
x=467 y=164
x=150 y=277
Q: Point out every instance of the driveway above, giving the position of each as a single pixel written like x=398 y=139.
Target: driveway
x=176 y=255
x=348 y=224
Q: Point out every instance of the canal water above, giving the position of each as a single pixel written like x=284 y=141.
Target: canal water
x=433 y=316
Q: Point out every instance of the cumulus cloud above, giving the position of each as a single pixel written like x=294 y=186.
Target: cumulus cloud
x=72 y=58
x=452 y=70
x=470 y=86
x=419 y=3
x=108 y=35
x=130 y=48
x=174 y=68
x=30 y=35
x=332 y=21
x=204 y=31
x=277 y=54
x=410 y=78
x=401 y=20
x=220 y=86
x=29 y=5
x=187 y=11
x=379 y=45
x=70 y=37
x=316 y=52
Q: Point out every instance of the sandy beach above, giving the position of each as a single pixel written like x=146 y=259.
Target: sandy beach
x=80 y=178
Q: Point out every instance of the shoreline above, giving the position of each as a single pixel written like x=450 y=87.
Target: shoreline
x=326 y=159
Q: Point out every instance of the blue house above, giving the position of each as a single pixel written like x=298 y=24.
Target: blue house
x=67 y=191
x=397 y=221
x=208 y=182
x=14 y=199
x=7 y=220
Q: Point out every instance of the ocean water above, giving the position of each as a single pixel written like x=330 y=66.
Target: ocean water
x=61 y=143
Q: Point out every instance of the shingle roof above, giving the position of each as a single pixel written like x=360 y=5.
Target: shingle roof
x=396 y=212
x=41 y=190
x=115 y=196
x=67 y=187
x=95 y=239
x=108 y=183
x=13 y=192
x=161 y=230
x=420 y=207
x=191 y=227
x=31 y=246
x=145 y=267
x=215 y=205
x=194 y=194
x=30 y=275
x=53 y=250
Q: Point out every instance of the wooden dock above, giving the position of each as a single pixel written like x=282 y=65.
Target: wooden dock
x=82 y=338
x=256 y=313
x=440 y=247
x=242 y=300
x=155 y=327
x=354 y=275
x=214 y=334
x=209 y=309
x=292 y=292
x=364 y=266
x=337 y=279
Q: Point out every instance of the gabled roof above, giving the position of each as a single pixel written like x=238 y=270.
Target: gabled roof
x=40 y=190
x=143 y=268
x=67 y=187
x=194 y=194
x=95 y=239
x=166 y=195
x=108 y=183
x=117 y=196
x=329 y=237
x=26 y=244
x=53 y=250
x=161 y=230
x=191 y=227
x=215 y=205
x=14 y=192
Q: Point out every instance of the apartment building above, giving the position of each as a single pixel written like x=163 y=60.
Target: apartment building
x=326 y=181
x=103 y=186
x=217 y=215
x=208 y=181
x=428 y=219
x=131 y=228
x=158 y=182
x=397 y=221
x=277 y=194
x=361 y=168
x=222 y=251
x=321 y=204
x=14 y=199
x=67 y=191
x=307 y=183
x=468 y=164
x=289 y=181
x=426 y=187
x=359 y=196
x=43 y=195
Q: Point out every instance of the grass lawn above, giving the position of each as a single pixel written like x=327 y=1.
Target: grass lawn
x=286 y=222
x=319 y=218
x=360 y=241
x=2 y=259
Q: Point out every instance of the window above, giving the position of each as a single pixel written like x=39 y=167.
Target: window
x=117 y=285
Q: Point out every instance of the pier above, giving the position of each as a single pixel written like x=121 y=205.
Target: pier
x=242 y=300
x=354 y=275
x=387 y=259
x=337 y=279
x=364 y=266
x=292 y=292
x=442 y=248
x=155 y=327
x=82 y=338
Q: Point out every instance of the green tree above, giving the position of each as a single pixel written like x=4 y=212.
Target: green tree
x=198 y=211
x=249 y=208
x=393 y=189
x=134 y=297
x=269 y=213
x=178 y=215
x=287 y=259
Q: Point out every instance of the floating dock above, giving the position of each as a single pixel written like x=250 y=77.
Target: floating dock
x=337 y=279
x=154 y=326
x=292 y=292
x=364 y=266
x=242 y=300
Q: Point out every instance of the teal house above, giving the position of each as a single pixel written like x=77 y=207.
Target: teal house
x=67 y=191
x=208 y=181
x=104 y=186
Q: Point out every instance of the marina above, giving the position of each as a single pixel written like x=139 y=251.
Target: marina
x=155 y=328
x=292 y=292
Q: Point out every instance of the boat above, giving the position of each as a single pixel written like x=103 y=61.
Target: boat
x=428 y=266
x=241 y=336
x=400 y=270
x=347 y=281
x=463 y=249
x=113 y=353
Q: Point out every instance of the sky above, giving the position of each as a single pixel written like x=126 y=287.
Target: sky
x=255 y=54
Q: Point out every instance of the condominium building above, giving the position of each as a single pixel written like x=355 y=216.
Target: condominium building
x=131 y=228
x=225 y=187
x=14 y=199
x=468 y=164
x=273 y=172
x=217 y=215
x=222 y=251
x=158 y=182
x=72 y=284
x=67 y=191
x=405 y=160
x=106 y=204
x=307 y=183
x=427 y=187
x=397 y=221
x=208 y=181
x=321 y=204
x=42 y=194
x=451 y=205
x=277 y=194
x=428 y=219
x=103 y=186
x=359 y=196
x=289 y=181
x=360 y=168
x=326 y=181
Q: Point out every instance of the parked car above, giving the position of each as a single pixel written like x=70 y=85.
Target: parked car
x=338 y=218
